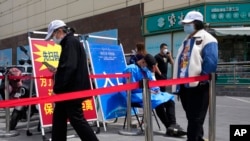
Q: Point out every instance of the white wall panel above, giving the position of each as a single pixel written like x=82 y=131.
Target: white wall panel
x=5 y=7
x=106 y=6
x=5 y=13
x=57 y=13
x=6 y=19
x=52 y=4
x=36 y=22
x=36 y=7
x=19 y=3
x=20 y=26
x=78 y=9
x=133 y=2
x=153 y=6
x=7 y=30
x=98 y=4
x=18 y=16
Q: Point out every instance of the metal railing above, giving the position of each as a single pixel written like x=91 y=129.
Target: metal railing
x=236 y=73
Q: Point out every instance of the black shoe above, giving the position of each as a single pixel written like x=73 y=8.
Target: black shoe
x=175 y=130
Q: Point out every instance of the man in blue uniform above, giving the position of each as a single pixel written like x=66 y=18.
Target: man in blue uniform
x=162 y=102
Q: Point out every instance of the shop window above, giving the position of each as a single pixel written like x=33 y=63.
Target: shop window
x=234 y=49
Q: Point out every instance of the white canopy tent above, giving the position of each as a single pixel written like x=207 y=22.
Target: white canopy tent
x=241 y=31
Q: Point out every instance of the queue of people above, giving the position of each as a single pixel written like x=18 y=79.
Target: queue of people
x=197 y=55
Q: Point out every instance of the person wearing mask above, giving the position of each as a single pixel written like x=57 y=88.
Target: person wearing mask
x=71 y=75
x=139 y=52
x=162 y=102
x=163 y=59
x=197 y=55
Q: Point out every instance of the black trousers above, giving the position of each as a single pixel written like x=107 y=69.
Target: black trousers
x=72 y=111
x=166 y=113
x=161 y=77
x=195 y=103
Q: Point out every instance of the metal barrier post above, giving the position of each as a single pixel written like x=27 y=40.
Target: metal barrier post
x=147 y=111
x=129 y=107
x=28 y=133
x=7 y=132
x=129 y=131
x=212 y=108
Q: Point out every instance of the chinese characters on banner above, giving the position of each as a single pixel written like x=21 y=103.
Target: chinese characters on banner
x=103 y=57
x=48 y=51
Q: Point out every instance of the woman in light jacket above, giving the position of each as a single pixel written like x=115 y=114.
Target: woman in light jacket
x=197 y=56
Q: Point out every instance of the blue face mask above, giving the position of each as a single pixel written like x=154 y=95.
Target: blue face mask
x=144 y=68
x=189 y=28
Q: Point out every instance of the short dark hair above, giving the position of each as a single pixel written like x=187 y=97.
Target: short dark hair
x=67 y=29
x=150 y=60
x=198 y=25
x=162 y=45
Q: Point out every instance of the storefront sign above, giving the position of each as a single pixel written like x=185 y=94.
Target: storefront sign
x=167 y=21
x=215 y=14
x=228 y=13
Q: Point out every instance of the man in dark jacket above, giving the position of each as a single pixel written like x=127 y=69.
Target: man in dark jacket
x=71 y=75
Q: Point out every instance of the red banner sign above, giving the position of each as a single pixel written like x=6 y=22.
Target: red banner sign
x=48 y=51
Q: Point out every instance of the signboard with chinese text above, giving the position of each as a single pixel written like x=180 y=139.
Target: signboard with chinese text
x=48 y=51
x=214 y=13
x=43 y=51
x=228 y=13
x=103 y=57
x=166 y=21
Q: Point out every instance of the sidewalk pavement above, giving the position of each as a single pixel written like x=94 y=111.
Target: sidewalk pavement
x=229 y=110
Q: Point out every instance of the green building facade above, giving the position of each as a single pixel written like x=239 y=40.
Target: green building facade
x=228 y=22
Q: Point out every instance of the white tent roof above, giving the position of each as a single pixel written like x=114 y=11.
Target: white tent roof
x=232 y=31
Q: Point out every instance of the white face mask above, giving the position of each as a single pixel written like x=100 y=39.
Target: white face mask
x=189 y=28
x=133 y=52
x=165 y=51
x=57 y=41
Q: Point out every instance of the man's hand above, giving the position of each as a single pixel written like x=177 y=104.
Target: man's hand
x=154 y=91
x=53 y=70
x=50 y=67
x=169 y=56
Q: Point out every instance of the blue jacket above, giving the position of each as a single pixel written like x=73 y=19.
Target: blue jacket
x=138 y=74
